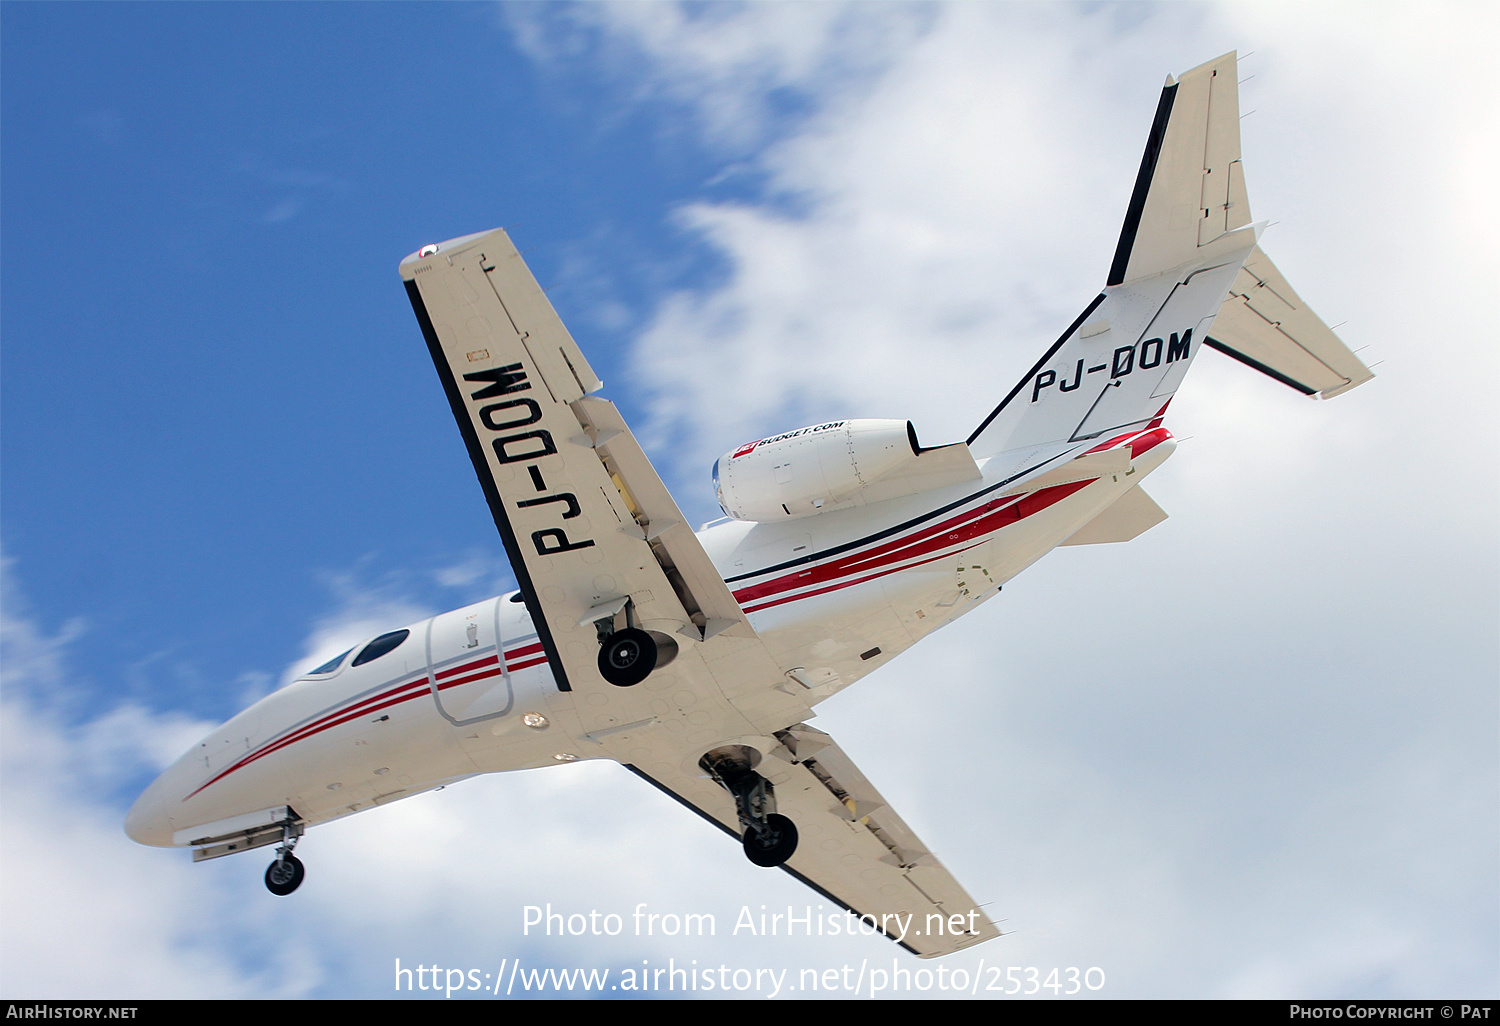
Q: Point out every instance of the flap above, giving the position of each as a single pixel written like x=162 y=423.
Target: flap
x=853 y=848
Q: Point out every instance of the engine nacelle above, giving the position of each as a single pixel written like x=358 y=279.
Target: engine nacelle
x=812 y=469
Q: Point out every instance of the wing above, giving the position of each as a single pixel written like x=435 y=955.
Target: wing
x=594 y=536
x=586 y=522
x=854 y=849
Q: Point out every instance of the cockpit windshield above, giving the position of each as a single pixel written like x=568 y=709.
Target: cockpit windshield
x=331 y=665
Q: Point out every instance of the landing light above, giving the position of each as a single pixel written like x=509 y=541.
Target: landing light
x=536 y=720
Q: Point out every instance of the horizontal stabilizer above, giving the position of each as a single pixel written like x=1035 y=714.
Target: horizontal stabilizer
x=1130 y=516
x=1265 y=324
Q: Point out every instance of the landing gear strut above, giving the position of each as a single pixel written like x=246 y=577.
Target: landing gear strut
x=285 y=874
x=769 y=839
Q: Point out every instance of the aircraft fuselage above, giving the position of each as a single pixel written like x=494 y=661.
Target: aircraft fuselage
x=834 y=596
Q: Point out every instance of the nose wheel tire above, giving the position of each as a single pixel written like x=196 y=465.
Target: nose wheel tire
x=284 y=875
x=772 y=845
x=627 y=657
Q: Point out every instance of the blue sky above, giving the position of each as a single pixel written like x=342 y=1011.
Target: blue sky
x=238 y=183
x=1252 y=753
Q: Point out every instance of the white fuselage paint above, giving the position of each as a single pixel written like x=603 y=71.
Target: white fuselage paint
x=451 y=700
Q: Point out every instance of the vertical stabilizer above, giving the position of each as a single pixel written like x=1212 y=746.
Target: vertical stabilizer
x=1187 y=255
x=1190 y=189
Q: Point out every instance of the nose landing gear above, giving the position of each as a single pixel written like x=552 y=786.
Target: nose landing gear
x=285 y=874
x=769 y=839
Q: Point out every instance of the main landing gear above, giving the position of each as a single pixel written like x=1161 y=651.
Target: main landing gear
x=773 y=843
x=770 y=839
x=285 y=874
x=626 y=656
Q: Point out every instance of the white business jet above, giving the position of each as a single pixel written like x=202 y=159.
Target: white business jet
x=695 y=659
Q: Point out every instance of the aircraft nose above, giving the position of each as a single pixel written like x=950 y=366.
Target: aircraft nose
x=147 y=821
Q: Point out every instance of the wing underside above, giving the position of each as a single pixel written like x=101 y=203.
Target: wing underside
x=586 y=521
x=854 y=849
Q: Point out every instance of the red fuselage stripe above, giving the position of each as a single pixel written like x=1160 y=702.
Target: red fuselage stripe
x=488 y=660
x=981 y=520
x=846 y=584
x=885 y=559
x=395 y=696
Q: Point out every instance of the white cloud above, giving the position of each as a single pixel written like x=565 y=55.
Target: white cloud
x=728 y=64
x=87 y=913
x=476 y=570
x=1249 y=754
x=921 y=239
x=83 y=911
x=441 y=878
x=1252 y=752
x=283 y=210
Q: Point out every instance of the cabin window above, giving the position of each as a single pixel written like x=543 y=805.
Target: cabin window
x=380 y=646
